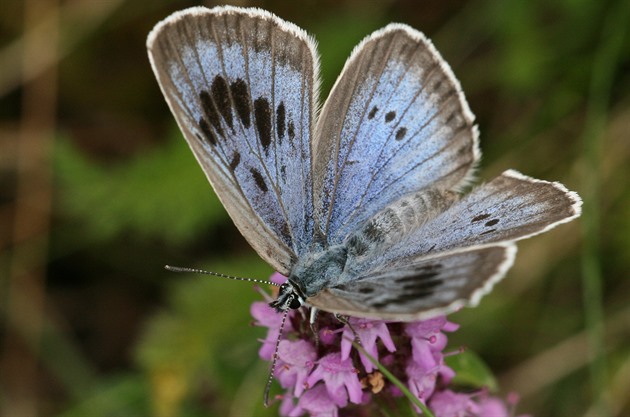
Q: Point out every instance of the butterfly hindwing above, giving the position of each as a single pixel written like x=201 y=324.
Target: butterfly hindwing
x=241 y=83
x=508 y=208
x=416 y=289
x=395 y=122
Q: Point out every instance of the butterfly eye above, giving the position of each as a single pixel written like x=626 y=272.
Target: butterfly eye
x=283 y=289
x=295 y=302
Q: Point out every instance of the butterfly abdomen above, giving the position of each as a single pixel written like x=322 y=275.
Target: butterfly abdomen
x=398 y=219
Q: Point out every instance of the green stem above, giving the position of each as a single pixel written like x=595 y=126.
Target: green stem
x=415 y=400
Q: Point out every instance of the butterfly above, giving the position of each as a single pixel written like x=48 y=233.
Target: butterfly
x=357 y=203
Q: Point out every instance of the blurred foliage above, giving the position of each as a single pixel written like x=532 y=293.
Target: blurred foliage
x=109 y=196
x=129 y=339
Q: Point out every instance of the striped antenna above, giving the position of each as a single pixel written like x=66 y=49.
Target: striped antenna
x=275 y=359
x=217 y=274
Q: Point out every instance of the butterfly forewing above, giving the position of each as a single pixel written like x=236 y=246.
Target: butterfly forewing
x=241 y=83
x=395 y=122
x=420 y=288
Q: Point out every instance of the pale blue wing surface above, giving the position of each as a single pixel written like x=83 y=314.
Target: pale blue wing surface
x=241 y=84
x=395 y=122
x=508 y=208
x=417 y=289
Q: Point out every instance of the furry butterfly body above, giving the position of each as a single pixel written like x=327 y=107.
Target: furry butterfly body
x=357 y=204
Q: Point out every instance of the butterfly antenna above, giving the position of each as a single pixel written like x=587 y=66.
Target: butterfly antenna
x=217 y=274
x=274 y=360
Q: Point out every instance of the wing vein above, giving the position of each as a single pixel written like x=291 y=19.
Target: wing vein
x=374 y=173
x=338 y=168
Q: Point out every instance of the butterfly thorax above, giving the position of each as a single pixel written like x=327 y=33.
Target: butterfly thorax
x=312 y=272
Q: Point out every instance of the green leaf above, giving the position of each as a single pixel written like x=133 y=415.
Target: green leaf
x=471 y=370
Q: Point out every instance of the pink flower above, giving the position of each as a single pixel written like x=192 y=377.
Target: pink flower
x=493 y=407
x=267 y=317
x=289 y=408
x=451 y=404
x=328 y=336
x=297 y=360
x=340 y=378
x=318 y=403
x=421 y=381
x=368 y=331
x=320 y=375
x=278 y=278
x=427 y=339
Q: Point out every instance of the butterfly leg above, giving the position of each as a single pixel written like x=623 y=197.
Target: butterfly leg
x=314 y=327
x=345 y=320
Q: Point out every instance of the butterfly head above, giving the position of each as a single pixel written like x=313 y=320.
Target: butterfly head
x=289 y=297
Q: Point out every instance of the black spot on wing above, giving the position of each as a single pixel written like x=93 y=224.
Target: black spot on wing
x=221 y=97
x=281 y=120
x=404 y=298
x=390 y=116
x=412 y=296
x=423 y=273
x=423 y=285
x=236 y=159
x=291 y=130
x=429 y=268
x=449 y=94
x=420 y=277
x=400 y=133
x=487 y=232
x=259 y=180
x=372 y=113
x=212 y=115
x=366 y=290
x=207 y=132
x=480 y=217
x=492 y=222
x=262 y=112
x=242 y=101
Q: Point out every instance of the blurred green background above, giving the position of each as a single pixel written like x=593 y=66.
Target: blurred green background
x=98 y=191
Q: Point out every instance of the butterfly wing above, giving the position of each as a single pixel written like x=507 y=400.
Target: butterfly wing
x=421 y=288
x=508 y=208
x=395 y=122
x=241 y=84
x=452 y=259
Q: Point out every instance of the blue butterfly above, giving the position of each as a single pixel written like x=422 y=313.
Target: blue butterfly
x=358 y=204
